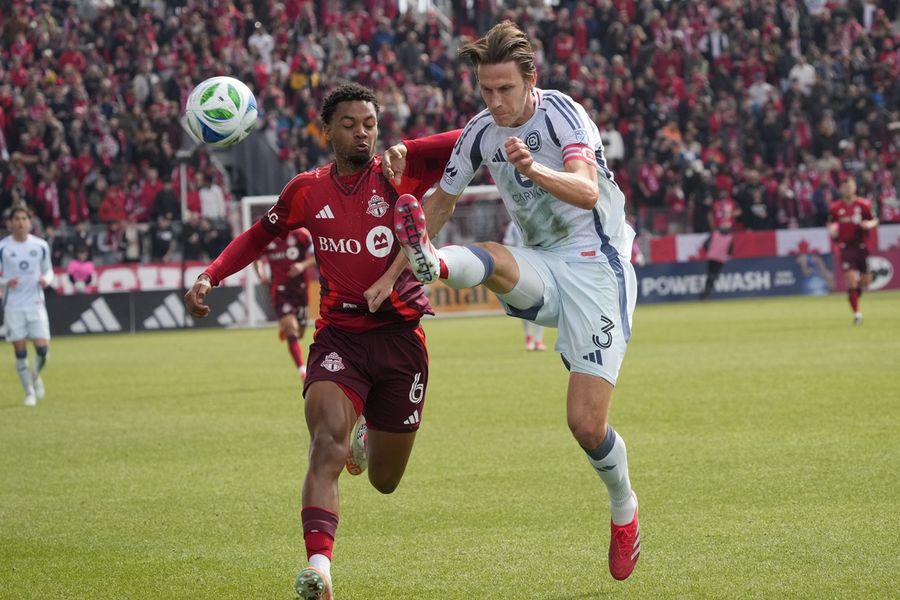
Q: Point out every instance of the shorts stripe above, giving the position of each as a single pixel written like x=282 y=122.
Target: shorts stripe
x=612 y=255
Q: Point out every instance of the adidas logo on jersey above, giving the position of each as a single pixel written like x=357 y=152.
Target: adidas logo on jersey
x=98 y=318
x=325 y=213
x=498 y=157
x=413 y=419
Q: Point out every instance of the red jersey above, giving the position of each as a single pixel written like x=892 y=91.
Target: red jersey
x=282 y=253
x=849 y=216
x=724 y=213
x=350 y=220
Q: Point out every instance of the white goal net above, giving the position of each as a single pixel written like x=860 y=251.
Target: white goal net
x=480 y=216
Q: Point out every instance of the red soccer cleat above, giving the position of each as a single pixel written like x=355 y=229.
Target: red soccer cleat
x=412 y=233
x=624 y=548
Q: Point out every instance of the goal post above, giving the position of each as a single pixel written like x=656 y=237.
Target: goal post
x=258 y=309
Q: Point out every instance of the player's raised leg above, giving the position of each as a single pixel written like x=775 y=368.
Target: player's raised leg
x=388 y=455
x=460 y=267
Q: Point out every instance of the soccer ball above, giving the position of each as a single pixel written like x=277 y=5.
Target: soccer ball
x=220 y=112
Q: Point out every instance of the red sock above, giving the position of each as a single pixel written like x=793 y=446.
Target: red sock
x=443 y=269
x=854 y=299
x=319 y=528
x=294 y=349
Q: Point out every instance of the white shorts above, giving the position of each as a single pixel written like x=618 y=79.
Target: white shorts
x=27 y=323
x=591 y=303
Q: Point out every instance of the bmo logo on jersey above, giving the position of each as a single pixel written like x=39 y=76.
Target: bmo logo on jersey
x=339 y=246
x=379 y=242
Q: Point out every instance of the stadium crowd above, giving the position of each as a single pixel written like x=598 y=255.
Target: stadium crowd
x=765 y=102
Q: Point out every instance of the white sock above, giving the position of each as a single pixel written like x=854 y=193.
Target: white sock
x=322 y=563
x=467 y=266
x=610 y=461
x=528 y=291
x=24 y=375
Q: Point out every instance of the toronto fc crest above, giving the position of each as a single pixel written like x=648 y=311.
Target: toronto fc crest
x=377 y=206
x=333 y=362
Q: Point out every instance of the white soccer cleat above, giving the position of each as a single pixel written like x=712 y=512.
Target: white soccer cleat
x=412 y=234
x=301 y=370
x=357 y=461
x=857 y=318
x=313 y=584
x=38 y=386
x=31 y=399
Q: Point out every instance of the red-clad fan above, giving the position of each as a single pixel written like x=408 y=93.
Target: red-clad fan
x=368 y=365
x=287 y=260
x=849 y=223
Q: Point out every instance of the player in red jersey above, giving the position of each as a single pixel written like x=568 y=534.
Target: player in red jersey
x=288 y=260
x=368 y=356
x=849 y=223
x=723 y=216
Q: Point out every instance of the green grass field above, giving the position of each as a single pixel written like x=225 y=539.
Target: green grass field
x=763 y=437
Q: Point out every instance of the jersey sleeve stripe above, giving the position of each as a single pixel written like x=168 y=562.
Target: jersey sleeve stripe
x=553 y=101
x=569 y=106
x=550 y=129
x=466 y=131
x=475 y=153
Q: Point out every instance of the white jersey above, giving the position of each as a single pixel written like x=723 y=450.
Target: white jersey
x=26 y=261
x=559 y=131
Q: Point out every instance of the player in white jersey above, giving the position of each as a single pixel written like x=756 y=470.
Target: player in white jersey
x=574 y=272
x=25 y=270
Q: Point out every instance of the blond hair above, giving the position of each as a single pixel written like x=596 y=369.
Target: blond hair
x=504 y=42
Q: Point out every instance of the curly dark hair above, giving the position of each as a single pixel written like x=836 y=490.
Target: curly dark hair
x=348 y=92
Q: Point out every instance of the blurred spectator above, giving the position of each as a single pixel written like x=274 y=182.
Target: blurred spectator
x=132 y=241
x=81 y=272
x=212 y=199
x=81 y=237
x=192 y=235
x=167 y=203
x=57 y=243
x=162 y=240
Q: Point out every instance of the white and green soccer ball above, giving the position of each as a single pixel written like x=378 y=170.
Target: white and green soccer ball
x=220 y=112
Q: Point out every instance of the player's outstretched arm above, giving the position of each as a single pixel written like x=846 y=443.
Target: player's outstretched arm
x=242 y=250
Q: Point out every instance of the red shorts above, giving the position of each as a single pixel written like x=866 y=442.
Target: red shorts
x=291 y=300
x=854 y=257
x=386 y=369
